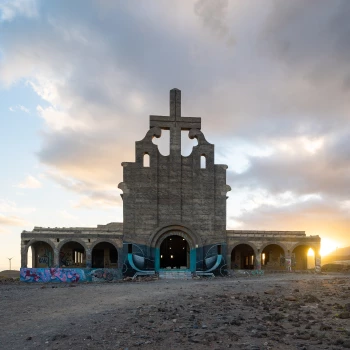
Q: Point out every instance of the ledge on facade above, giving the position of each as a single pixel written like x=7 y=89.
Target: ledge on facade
x=266 y=233
x=116 y=227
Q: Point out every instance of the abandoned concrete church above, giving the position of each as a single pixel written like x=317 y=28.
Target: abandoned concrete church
x=174 y=223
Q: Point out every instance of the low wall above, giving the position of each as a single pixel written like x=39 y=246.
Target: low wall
x=69 y=275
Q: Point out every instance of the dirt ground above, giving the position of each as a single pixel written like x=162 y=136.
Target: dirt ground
x=275 y=311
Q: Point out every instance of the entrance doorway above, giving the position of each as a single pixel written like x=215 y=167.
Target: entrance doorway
x=174 y=253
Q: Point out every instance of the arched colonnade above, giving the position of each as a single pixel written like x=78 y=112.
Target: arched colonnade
x=72 y=253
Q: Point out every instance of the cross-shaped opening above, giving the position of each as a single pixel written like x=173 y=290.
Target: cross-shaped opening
x=163 y=143
x=187 y=144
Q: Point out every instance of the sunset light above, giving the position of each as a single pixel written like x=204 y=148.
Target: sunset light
x=328 y=246
x=80 y=79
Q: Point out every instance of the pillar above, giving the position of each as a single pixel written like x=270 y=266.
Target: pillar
x=288 y=261
x=257 y=264
x=88 y=258
x=24 y=255
x=56 y=258
x=317 y=261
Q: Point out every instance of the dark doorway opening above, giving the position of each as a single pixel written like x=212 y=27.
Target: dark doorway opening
x=174 y=253
x=104 y=255
x=243 y=257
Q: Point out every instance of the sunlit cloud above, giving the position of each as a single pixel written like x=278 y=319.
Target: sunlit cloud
x=12 y=220
x=7 y=206
x=92 y=195
x=270 y=81
x=30 y=182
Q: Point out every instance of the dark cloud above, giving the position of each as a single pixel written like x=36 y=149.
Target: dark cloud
x=325 y=172
x=213 y=15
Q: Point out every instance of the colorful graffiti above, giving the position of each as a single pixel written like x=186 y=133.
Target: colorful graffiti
x=105 y=275
x=288 y=263
x=318 y=264
x=62 y=275
x=66 y=258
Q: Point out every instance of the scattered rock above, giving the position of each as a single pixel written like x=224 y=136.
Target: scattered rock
x=344 y=315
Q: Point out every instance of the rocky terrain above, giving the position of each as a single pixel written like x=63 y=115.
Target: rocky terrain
x=276 y=311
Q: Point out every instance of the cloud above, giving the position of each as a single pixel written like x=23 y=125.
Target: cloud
x=315 y=216
x=213 y=16
x=67 y=216
x=9 y=9
x=19 y=107
x=30 y=182
x=12 y=220
x=92 y=194
x=59 y=120
x=301 y=166
x=276 y=106
x=7 y=206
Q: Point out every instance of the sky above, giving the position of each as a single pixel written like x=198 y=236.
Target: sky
x=270 y=80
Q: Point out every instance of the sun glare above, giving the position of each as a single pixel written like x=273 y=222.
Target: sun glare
x=327 y=246
x=310 y=252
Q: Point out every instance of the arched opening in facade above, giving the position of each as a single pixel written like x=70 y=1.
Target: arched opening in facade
x=30 y=257
x=40 y=255
x=203 y=161
x=272 y=257
x=174 y=253
x=300 y=258
x=104 y=255
x=243 y=257
x=72 y=254
x=146 y=160
x=311 y=259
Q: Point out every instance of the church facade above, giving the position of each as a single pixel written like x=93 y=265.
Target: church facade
x=174 y=221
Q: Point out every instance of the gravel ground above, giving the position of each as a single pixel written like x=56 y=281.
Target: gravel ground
x=276 y=311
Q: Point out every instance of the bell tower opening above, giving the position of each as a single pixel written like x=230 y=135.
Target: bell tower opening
x=174 y=253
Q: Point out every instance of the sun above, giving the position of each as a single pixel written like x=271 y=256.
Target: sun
x=328 y=246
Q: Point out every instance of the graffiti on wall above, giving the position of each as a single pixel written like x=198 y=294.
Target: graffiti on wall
x=44 y=256
x=66 y=258
x=57 y=275
x=288 y=264
x=44 y=260
x=105 y=275
x=318 y=264
x=213 y=260
x=140 y=259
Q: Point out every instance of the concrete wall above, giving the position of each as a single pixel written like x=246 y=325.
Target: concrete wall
x=62 y=241
x=174 y=190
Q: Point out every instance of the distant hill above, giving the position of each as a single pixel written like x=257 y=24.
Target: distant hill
x=339 y=255
x=341 y=252
x=9 y=273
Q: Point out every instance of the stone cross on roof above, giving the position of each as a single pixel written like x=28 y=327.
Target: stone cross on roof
x=175 y=123
x=175 y=118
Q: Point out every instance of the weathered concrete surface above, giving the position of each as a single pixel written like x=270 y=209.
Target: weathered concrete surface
x=174 y=190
